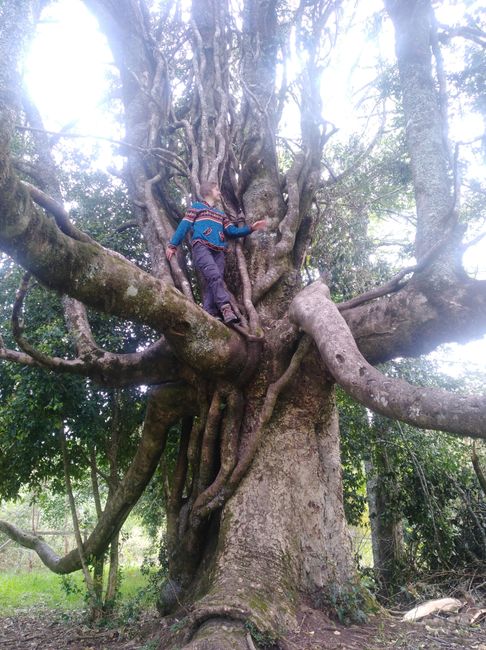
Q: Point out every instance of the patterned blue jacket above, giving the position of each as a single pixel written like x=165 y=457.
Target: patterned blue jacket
x=209 y=226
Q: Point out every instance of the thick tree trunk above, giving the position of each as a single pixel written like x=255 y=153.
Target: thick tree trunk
x=282 y=536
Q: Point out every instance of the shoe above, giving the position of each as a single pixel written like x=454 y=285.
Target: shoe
x=229 y=315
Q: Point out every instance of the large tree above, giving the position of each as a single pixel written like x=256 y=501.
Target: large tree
x=255 y=520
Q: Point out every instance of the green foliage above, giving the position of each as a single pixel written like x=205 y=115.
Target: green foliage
x=70 y=586
x=355 y=436
x=351 y=242
x=35 y=403
x=429 y=483
x=151 y=507
x=41 y=588
x=351 y=602
x=264 y=638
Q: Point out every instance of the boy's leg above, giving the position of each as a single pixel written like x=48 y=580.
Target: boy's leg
x=212 y=270
x=226 y=310
x=207 y=296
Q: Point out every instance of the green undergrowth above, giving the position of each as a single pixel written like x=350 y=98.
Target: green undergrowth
x=42 y=589
x=349 y=603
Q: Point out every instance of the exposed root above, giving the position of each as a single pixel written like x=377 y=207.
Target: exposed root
x=201 y=615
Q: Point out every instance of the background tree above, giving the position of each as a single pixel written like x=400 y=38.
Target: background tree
x=255 y=518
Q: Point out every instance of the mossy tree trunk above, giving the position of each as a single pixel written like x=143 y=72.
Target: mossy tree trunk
x=255 y=522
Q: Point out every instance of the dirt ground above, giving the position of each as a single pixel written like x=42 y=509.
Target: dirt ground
x=49 y=630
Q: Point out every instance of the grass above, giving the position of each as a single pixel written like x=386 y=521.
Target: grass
x=41 y=588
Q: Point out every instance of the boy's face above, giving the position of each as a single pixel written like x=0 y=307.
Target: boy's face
x=215 y=193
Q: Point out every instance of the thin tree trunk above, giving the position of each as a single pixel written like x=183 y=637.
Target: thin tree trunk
x=90 y=583
x=478 y=469
x=386 y=528
x=112 y=582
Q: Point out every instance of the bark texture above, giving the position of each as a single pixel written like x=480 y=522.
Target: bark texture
x=255 y=520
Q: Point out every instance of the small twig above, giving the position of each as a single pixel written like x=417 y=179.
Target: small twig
x=473 y=242
x=249 y=642
x=120 y=143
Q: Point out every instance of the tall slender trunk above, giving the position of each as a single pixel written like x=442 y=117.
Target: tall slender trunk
x=386 y=525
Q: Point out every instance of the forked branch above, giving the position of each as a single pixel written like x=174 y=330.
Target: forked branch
x=249 y=447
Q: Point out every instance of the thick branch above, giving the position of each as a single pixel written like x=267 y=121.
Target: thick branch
x=426 y=408
x=82 y=268
x=250 y=446
x=93 y=275
x=424 y=122
x=418 y=318
x=474 y=34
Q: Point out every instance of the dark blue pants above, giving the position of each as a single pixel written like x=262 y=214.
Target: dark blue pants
x=210 y=264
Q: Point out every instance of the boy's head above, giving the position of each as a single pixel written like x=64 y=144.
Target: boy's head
x=209 y=190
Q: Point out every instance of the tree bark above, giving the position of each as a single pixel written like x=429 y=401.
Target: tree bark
x=282 y=536
x=256 y=520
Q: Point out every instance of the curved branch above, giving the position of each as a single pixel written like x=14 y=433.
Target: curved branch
x=474 y=34
x=57 y=211
x=161 y=228
x=426 y=408
x=166 y=405
x=16 y=357
x=229 y=453
x=289 y=225
x=33 y=542
x=418 y=318
x=397 y=281
x=154 y=364
x=251 y=312
x=208 y=444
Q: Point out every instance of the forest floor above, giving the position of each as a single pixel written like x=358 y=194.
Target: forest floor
x=48 y=630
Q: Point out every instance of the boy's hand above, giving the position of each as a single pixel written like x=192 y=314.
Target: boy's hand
x=170 y=252
x=260 y=225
